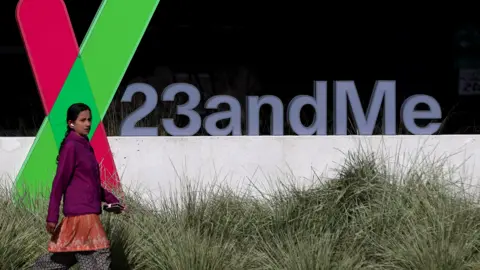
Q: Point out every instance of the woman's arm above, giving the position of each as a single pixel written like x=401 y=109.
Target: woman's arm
x=65 y=168
x=108 y=197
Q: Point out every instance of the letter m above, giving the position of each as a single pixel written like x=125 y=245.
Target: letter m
x=346 y=92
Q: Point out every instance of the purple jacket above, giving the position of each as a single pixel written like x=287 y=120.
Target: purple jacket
x=78 y=181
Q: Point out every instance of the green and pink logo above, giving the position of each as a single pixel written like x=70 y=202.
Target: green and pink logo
x=66 y=73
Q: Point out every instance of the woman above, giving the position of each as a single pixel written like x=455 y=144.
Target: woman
x=80 y=236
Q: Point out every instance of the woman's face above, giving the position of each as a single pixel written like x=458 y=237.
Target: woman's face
x=83 y=123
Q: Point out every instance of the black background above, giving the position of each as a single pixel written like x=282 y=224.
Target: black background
x=287 y=45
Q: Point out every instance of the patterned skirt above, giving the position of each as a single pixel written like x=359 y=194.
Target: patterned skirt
x=79 y=233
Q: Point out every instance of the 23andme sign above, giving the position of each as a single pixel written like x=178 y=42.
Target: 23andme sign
x=345 y=95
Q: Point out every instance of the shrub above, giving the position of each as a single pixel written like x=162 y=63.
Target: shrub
x=367 y=217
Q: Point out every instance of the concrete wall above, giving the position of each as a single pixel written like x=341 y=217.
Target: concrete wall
x=163 y=163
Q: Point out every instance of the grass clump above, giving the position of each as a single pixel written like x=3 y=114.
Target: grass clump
x=370 y=216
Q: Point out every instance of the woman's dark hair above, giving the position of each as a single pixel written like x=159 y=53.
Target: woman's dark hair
x=72 y=114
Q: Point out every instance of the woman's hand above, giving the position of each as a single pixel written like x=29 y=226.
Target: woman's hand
x=116 y=208
x=51 y=227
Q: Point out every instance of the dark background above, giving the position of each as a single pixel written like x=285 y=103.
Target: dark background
x=285 y=45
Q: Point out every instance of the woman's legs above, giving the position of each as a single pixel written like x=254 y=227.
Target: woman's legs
x=87 y=260
x=94 y=260
x=55 y=261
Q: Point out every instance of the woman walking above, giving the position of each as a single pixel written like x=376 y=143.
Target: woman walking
x=80 y=237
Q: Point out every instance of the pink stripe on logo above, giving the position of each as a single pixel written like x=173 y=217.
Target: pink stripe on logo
x=50 y=43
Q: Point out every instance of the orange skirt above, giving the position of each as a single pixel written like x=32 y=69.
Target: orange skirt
x=79 y=233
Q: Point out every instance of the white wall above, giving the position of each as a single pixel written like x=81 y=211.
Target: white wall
x=159 y=163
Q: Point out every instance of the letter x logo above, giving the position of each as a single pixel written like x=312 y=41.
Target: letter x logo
x=66 y=74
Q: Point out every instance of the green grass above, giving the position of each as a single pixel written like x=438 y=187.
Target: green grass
x=367 y=217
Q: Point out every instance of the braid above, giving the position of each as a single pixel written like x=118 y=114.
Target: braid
x=63 y=142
